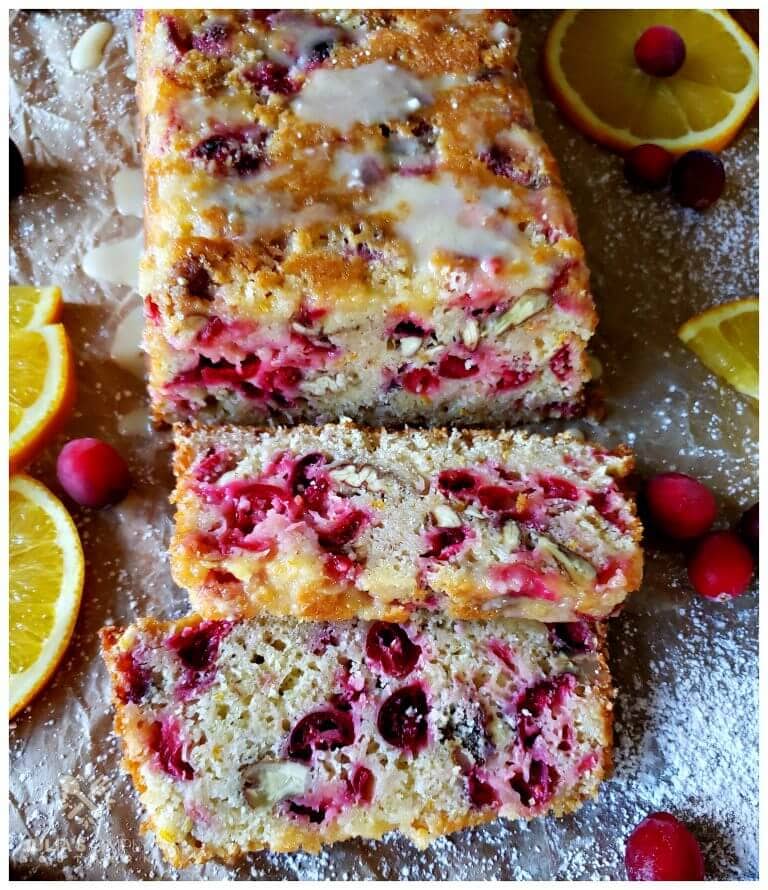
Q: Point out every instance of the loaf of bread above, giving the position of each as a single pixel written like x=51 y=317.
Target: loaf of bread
x=351 y=213
x=341 y=522
x=284 y=735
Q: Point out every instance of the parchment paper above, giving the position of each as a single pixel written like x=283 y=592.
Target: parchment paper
x=686 y=670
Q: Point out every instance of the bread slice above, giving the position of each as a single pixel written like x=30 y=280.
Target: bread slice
x=287 y=735
x=351 y=213
x=342 y=522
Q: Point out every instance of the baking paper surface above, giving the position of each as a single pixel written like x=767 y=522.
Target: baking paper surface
x=686 y=670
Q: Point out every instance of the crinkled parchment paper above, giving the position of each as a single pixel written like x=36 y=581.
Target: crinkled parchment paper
x=686 y=669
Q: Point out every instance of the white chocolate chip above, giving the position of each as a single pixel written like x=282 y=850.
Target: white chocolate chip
x=470 y=335
x=510 y=535
x=577 y=568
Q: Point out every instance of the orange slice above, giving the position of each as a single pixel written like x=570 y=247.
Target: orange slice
x=45 y=586
x=41 y=372
x=590 y=68
x=725 y=338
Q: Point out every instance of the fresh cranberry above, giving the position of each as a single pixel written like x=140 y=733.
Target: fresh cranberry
x=496 y=497
x=178 y=36
x=198 y=645
x=390 y=647
x=361 y=784
x=214 y=40
x=270 y=76
x=681 y=506
x=408 y=327
x=342 y=532
x=135 y=678
x=231 y=153
x=323 y=730
x=514 y=165
x=504 y=652
x=698 y=179
x=749 y=527
x=560 y=363
x=559 y=489
x=540 y=785
x=575 y=637
x=420 y=381
x=209 y=333
x=92 y=473
x=305 y=471
x=660 y=51
x=545 y=697
x=314 y=814
x=481 y=793
x=166 y=744
x=220 y=576
x=341 y=568
x=283 y=380
x=456 y=368
x=457 y=482
x=514 y=378
x=444 y=543
x=661 y=848
x=721 y=566
x=648 y=166
x=213 y=466
x=402 y=719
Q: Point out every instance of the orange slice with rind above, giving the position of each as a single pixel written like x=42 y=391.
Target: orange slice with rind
x=46 y=571
x=590 y=68
x=726 y=339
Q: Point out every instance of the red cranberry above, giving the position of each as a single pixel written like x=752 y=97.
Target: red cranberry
x=511 y=165
x=496 y=497
x=546 y=696
x=560 y=363
x=231 y=153
x=402 y=719
x=540 y=785
x=198 y=645
x=445 y=543
x=575 y=637
x=648 y=166
x=681 y=506
x=178 y=36
x=420 y=381
x=213 y=466
x=92 y=473
x=323 y=730
x=481 y=793
x=342 y=532
x=166 y=744
x=210 y=332
x=214 y=40
x=559 y=489
x=271 y=77
x=457 y=482
x=749 y=527
x=513 y=378
x=135 y=679
x=698 y=179
x=661 y=848
x=660 y=51
x=390 y=647
x=361 y=784
x=456 y=368
x=721 y=566
x=305 y=471
x=341 y=568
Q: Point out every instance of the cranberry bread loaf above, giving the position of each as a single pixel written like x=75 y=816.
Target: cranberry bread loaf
x=341 y=522
x=283 y=735
x=351 y=213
